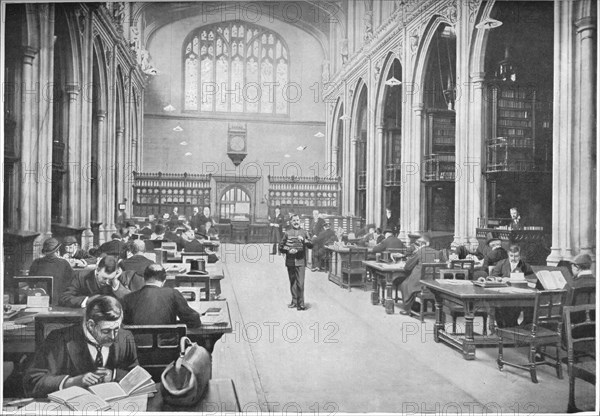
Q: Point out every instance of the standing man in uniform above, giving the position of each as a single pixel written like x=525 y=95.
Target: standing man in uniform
x=294 y=244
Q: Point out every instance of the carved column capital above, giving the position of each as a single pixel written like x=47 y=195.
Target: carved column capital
x=29 y=54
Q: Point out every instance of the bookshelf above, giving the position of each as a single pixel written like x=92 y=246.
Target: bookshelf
x=304 y=194
x=521 y=137
x=439 y=158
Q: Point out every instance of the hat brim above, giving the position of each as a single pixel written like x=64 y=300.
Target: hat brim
x=197 y=273
x=51 y=251
x=492 y=239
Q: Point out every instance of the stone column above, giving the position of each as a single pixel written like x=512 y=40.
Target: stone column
x=120 y=159
x=376 y=171
x=30 y=172
x=353 y=176
x=412 y=174
x=74 y=158
x=583 y=160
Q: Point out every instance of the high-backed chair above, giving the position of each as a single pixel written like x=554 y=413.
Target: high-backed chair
x=199 y=281
x=157 y=345
x=581 y=337
x=545 y=330
x=464 y=264
x=44 y=324
x=429 y=271
x=582 y=296
x=354 y=267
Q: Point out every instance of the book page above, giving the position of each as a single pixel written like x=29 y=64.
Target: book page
x=130 y=405
x=62 y=396
x=88 y=403
x=108 y=391
x=134 y=379
x=558 y=278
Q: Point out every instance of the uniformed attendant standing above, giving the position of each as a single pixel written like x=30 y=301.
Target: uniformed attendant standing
x=294 y=244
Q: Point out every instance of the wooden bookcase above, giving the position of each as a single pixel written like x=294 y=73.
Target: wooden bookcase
x=439 y=159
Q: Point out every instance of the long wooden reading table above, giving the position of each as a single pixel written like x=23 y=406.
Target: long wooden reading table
x=472 y=298
x=383 y=275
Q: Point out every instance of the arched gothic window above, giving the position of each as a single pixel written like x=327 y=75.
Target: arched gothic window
x=235 y=67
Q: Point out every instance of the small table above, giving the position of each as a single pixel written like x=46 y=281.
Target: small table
x=472 y=298
x=339 y=255
x=215 y=272
x=387 y=273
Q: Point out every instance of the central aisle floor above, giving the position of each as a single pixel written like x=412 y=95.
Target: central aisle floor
x=345 y=355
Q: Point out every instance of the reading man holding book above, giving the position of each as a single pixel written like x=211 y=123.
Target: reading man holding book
x=94 y=352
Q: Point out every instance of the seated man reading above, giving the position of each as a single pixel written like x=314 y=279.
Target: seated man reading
x=94 y=352
x=157 y=305
x=106 y=279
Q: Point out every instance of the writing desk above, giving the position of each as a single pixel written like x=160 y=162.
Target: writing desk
x=472 y=298
x=337 y=256
x=215 y=273
x=21 y=340
x=383 y=275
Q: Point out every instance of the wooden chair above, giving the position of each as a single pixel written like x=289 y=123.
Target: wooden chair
x=545 y=330
x=581 y=337
x=157 y=345
x=429 y=271
x=582 y=296
x=354 y=266
x=191 y=294
x=203 y=282
x=44 y=324
x=464 y=264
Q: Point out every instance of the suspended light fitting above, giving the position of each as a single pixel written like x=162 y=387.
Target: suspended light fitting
x=300 y=148
x=188 y=153
x=345 y=117
x=169 y=108
x=319 y=134
x=488 y=23
x=178 y=128
x=183 y=143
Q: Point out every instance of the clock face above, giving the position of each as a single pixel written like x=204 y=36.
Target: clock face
x=237 y=143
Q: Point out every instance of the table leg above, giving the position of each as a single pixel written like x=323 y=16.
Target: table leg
x=439 y=318
x=375 y=289
x=469 y=340
x=389 y=298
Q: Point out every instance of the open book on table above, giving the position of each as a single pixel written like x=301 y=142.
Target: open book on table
x=137 y=381
x=78 y=399
x=551 y=279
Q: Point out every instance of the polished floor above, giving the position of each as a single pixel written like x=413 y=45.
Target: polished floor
x=345 y=355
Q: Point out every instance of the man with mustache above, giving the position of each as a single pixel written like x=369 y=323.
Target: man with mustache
x=294 y=244
x=95 y=351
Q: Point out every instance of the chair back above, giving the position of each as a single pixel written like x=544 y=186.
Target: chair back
x=195 y=281
x=454 y=274
x=580 y=329
x=170 y=247
x=32 y=285
x=157 y=345
x=44 y=324
x=431 y=271
x=582 y=296
x=464 y=264
x=356 y=256
x=548 y=310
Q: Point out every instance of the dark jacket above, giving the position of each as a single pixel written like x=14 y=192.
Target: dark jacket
x=174 y=238
x=85 y=285
x=275 y=232
x=112 y=248
x=65 y=353
x=56 y=267
x=318 y=227
x=137 y=263
x=152 y=305
x=389 y=224
x=390 y=242
x=412 y=285
x=290 y=241
x=324 y=238
x=502 y=268
x=193 y=246
x=493 y=257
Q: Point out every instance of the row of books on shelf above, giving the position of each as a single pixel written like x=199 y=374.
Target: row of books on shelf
x=513 y=123
x=444 y=141
x=514 y=113
x=443 y=120
x=506 y=131
x=511 y=141
x=444 y=132
x=514 y=93
x=513 y=104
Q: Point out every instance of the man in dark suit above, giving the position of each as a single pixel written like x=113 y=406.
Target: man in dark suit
x=76 y=256
x=327 y=236
x=411 y=286
x=192 y=242
x=495 y=254
x=390 y=222
x=157 y=305
x=391 y=241
x=146 y=230
x=52 y=265
x=516 y=222
x=106 y=279
x=171 y=235
x=318 y=224
x=509 y=316
x=294 y=244
x=83 y=355
x=136 y=260
x=114 y=247
x=195 y=219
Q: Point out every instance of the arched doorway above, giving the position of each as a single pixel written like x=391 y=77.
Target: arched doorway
x=234 y=202
x=439 y=130
x=360 y=155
